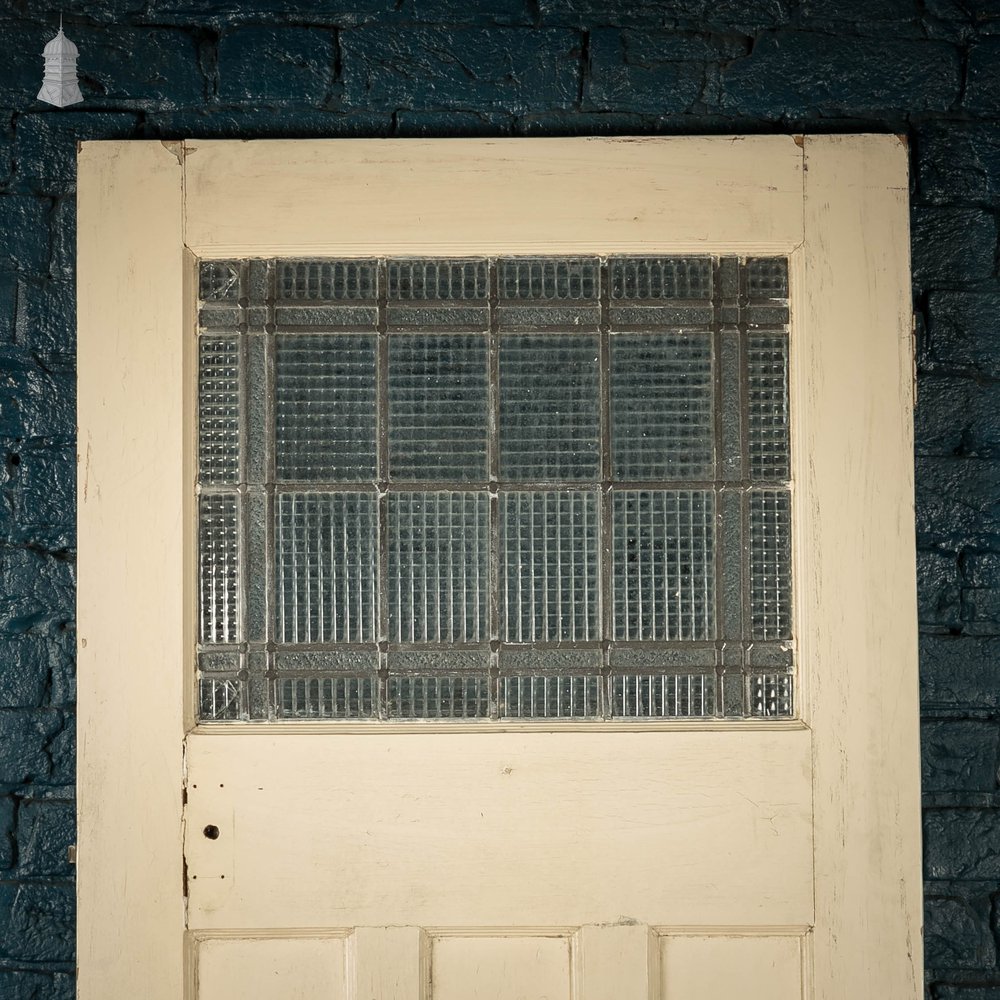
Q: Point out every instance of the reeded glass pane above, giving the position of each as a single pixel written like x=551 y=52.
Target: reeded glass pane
x=549 y=542
x=218 y=556
x=218 y=410
x=334 y=697
x=325 y=407
x=326 y=559
x=767 y=380
x=438 y=696
x=438 y=567
x=549 y=407
x=664 y=564
x=662 y=417
x=662 y=696
x=549 y=278
x=441 y=280
x=220 y=699
x=438 y=406
x=550 y=696
x=661 y=278
x=770 y=564
x=326 y=279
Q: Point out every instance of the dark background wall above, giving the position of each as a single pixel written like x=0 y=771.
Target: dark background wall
x=929 y=69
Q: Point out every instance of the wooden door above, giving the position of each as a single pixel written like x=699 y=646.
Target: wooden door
x=770 y=851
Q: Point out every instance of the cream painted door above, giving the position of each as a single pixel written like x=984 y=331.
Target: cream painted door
x=505 y=859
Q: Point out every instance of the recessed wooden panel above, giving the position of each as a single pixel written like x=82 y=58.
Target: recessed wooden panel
x=716 y=967
x=271 y=969
x=500 y=829
x=500 y=968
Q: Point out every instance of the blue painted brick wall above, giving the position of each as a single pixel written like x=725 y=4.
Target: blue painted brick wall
x=177 y=68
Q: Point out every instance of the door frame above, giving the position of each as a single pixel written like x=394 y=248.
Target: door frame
x=836 y=204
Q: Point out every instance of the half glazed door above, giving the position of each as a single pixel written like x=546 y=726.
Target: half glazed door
x=496 y=570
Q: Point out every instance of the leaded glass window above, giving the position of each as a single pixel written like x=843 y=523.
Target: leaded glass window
x=512 y=488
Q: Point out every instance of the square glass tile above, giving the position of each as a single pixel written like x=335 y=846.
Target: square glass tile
x=219 y=566
x=549 y=574
x=325 y=407
x=662 y=414
x=642 y=278
x=218 y=410
x=549 y=407
x=439 y=567
x=770 y=564
x=438 y=406
x=767 y=381
x=663 y=552
x=326 y=567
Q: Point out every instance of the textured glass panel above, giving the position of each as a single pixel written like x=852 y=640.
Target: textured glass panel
x=438 y=567
x=549 y=542
x=663 y=696
x=326 y=554
x=218 y=410
x=661 y=278
x=664 y=564
x=219 y=280
x=219 y=660
x=325 y=406
x=219 y=566
x=770 y=694
x=662 y=418
x=438 y=390
x=549 y=407
x=770 y=564
x=326 y=279
x=220 y=699
x=549 y=278
x=438 y=696
x=767 y=377
x=767 y=277
x=438 y=279
x=550 y=696
x=335 y=697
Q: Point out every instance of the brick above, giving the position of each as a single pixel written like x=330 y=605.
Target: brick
x=958 y=161
x=957 y=931
x=36 y=400
x=982 y=88
x=46 y=316
x=959 y=755
x=425 y=68
x=952 y=245
x=36 y=922
x=957 y=497
x=134 y=67
x=24 y=737
x=962 y=843
x=62 y=751
x=292 y=123
x=981 y=608
x=939 y=593
x=62 y=668
x=960 y=672
x=946 y=992
x=588 y=123
x=45 y=831
x=24 y=671
x=958 y=415
x=980 y=569
x=9 y=295
x=263 y=65
x=600 y=13
x=38 y=495
x=24 y=233
x=460 y=124
x=653 y=72
x=62 y=259
x=37 y=591
x=17 y=984
x=802 y=74
x=21 y=67
x=498 y=12
x=964 y=329
x=8 y=848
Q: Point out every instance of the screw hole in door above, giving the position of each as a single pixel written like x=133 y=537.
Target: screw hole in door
x=211 y=831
